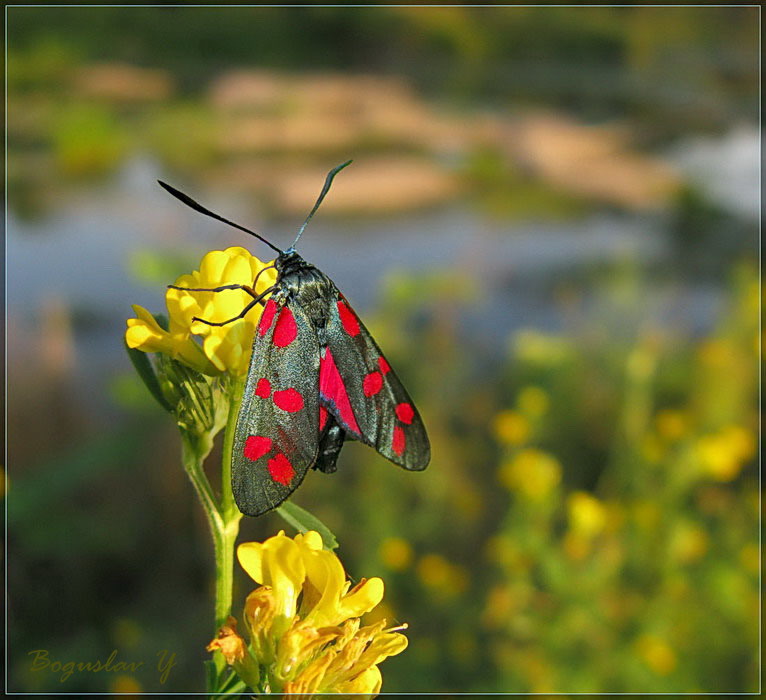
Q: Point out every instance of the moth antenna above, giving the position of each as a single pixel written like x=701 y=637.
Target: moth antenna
x=189 y=202
x=325 y=190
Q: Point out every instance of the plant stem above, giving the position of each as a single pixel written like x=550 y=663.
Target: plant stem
x=224 y=541
x=192 y=461
x=228 y=506
x=225 y=535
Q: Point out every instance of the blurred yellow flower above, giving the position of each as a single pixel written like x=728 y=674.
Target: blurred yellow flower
x=542 y=349
x=689 y=542
x=395 y=553
x=303 y=622
x=437 y=573
x=503 y=550
x=531 y=473
x=716 y=352
x=124 y=684
x=672 y=424
x=498 y=608
x=657 y=654
x=224 y=348
x=576 y=545
x=723 y=454
x=511 y=428
x=587 y=515
x=533 y=401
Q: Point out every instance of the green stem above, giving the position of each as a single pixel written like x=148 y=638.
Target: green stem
x=192 y=461
x=228 y=506
x=225 y=536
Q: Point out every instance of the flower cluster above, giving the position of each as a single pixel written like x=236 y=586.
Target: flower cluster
x=303 y=622
x=224 y=348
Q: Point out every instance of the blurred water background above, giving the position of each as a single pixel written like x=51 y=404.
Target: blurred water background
x=551 y=225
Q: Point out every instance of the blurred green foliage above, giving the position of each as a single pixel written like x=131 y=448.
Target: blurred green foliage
x=87 y=141
x=590 y=521
x=504 y=191
x=466 y=50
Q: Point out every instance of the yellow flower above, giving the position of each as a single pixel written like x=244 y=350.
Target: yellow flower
x=531 y=473
x=396 y=553
x=672 y=424
x=541 y=349
x=723 y=454
x=224 y=348
x=657 y=654
x=587 y=515
x=511 y=427
x=303 y=622
x=439 y=574
x=533 y=401
x=688 y=542
x=144 y=333
x=124 y=684
x=499 y=606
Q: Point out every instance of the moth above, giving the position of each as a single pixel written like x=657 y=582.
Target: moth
x=316 y=378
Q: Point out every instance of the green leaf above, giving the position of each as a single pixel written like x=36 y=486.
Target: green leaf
x=303 y=521
x=145 y=370
x=211 y=672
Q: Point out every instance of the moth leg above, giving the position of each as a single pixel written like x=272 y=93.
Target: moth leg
x=262 y=270
x=257 y=298
x=213 y=289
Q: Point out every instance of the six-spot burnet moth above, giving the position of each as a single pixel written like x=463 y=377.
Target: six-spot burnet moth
x=316 y=378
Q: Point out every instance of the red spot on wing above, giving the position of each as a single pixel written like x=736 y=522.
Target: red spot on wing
x=398 y=441
x=281 y=470
x=384 y=366
x=405 y=413
x=332 y=388
x=263 y=388
x=256 y=446
x=289 y=400
x=372 y=383
x=285 y=331
x=267 y=317
x=322 y=417
x=348 y=319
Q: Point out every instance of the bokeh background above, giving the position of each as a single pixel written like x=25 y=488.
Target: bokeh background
x=551 y=228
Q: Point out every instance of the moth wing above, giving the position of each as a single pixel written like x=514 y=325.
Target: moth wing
x=277 y=431
x=363 y=393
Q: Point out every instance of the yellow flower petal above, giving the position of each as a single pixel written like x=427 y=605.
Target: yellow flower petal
x=328 y=581
x=368 y=681
x=311 y=539
x=226 y=348
x=362 y=598
x=145 y=334
x=277 y=563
